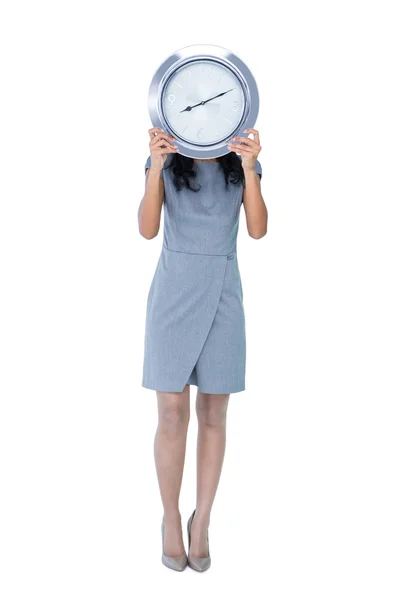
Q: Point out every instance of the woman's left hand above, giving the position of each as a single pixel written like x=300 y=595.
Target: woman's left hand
x=249 y=149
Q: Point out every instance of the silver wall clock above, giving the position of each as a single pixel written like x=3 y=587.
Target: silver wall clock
x=203 y=95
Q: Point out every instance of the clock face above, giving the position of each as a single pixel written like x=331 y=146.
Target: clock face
x=203 y=102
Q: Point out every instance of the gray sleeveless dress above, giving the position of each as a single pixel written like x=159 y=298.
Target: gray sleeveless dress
x=195 y=323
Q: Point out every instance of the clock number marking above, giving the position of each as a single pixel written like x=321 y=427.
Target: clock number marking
x=209 y=70
x=171 y=98
x=200 y=133
x=235 y=105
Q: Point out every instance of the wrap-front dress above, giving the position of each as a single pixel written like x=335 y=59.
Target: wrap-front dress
x=195 y=322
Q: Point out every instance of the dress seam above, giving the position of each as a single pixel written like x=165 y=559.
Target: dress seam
x=198 y=253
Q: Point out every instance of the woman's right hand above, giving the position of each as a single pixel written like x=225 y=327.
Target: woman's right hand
x=160 y=145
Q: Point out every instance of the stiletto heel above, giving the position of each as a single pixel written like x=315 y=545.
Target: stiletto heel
x=177 y=563
x=196 y=562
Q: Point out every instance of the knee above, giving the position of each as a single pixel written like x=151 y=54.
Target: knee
x=211 y=411
x=173 y=416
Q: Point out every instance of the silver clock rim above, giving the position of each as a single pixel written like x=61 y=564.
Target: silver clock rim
x=161 y=95
x=200 y=52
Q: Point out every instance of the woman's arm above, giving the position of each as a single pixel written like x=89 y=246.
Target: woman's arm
x=254 y=205
x=149 y=213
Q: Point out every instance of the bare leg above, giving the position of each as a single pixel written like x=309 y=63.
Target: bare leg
x=169 y=454
x=211 y=413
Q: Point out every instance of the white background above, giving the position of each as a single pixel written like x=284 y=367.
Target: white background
x=308 y=504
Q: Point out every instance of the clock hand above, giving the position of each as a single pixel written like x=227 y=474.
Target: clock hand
x=205 y=101
x=218 y=95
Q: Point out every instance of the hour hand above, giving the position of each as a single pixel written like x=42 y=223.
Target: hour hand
x=194 y=105
x=188 y=108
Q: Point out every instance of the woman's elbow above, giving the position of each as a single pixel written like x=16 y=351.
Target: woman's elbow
x=147 y=233
x=147 y=230
x=258 y=233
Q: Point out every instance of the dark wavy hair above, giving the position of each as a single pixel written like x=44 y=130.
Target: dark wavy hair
x=184 y=171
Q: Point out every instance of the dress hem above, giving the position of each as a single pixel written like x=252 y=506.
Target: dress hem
x=174 y=390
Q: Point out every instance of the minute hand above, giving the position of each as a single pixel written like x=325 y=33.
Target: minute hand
x=205 y=101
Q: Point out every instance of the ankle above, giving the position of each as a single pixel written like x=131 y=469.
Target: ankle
x=173 y=517
x=202 y=518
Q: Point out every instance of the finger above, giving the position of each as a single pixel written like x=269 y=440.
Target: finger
x=162 y=136
x=160 y=140
x=166 y=150
x=255 y=133
x=241 y=151
x=163 y=147
x=161 y=144
x=247 y=142
x=253 y=150
x=154 y=132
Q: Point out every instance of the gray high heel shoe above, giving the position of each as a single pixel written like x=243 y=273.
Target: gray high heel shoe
x=198 y=563
x=177 y=563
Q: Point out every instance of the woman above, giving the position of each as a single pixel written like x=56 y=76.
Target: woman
x=195 y=326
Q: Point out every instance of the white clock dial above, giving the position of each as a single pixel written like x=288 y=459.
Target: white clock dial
x=203 y=102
